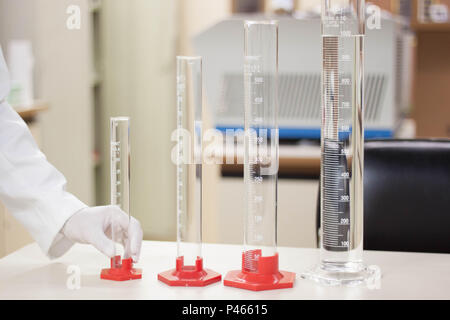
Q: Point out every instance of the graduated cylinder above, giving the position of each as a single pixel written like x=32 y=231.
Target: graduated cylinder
x=259 y=269
x=342 y=147
x=189 y=269
x=121 y=264
x=261 y=140
x=342 y=132
x=120 y=173
x=189 y=160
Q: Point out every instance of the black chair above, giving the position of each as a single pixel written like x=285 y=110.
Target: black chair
x=406 y=195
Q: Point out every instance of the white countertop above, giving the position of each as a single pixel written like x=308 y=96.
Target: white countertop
x=28 y=274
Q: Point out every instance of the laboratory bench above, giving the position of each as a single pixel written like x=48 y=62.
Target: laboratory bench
x=28 y=274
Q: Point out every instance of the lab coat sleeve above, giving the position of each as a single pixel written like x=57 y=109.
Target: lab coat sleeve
x=31 y=188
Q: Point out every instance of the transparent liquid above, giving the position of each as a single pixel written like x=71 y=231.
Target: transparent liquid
x=342 y=161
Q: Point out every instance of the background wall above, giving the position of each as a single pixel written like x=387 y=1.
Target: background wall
x=192 y=19
x=139 y=39
x=62 y=76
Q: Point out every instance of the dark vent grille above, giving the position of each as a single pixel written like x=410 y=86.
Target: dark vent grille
x=299 y=96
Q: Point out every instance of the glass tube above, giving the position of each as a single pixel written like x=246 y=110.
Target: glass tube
x=261 y=141
x=189 y=160
x=120 y=174
x=342 y=144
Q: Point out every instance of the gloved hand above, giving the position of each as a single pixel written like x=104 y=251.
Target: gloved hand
x=94 y=226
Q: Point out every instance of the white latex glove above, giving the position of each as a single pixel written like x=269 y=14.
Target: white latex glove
x=94 y=226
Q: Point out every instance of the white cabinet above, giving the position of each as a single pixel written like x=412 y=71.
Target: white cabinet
x=297 y=205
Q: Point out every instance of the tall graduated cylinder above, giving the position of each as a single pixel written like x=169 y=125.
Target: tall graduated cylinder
x=342 y=141
x=261 y=141
x=120 y=172
x=189 y=159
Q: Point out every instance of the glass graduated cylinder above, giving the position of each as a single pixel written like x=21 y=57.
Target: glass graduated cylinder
x=342 y=141
x=261 y=141
x=342 y=150
x=120 y=173
x=189 y=164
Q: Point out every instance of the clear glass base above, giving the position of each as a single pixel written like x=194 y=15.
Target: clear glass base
x=344 y=274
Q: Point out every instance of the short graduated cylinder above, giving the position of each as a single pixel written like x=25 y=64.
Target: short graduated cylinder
x=121 y=265
x=260 y=257
x=120 y=170
x=342 y=144
x=189 y=264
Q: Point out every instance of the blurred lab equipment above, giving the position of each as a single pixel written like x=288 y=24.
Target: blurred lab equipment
x=411 y=212
x=387 y=84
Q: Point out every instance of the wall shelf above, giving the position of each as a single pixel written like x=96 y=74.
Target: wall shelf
x=28 y=113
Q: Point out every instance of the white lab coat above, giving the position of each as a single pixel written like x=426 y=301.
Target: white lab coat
x=32 y=189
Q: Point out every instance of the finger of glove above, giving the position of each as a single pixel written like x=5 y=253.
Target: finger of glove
x=118 y=225
x=119 y=220
x=132 y=233
x=116 y=233
x=104 y=245
x=134 y=240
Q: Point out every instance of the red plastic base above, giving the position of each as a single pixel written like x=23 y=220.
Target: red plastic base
x=121 y=270
x=264 y=275
x=189 y=276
